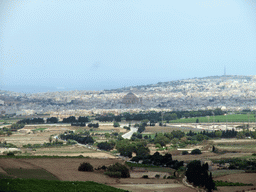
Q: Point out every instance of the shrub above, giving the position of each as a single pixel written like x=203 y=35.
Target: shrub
x=196 y=151
x=157 y=176
x=157 y=145
x=10 y=154
x=171 y=177
x=125 y=173
x=145 y=176
x=184 y=152
x=164 y=177
x=116 y=124
x=85 y=167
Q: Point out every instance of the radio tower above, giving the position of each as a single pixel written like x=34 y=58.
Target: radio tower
x=225 y=71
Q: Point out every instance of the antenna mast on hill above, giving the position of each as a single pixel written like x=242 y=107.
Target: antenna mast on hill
x=224 y=70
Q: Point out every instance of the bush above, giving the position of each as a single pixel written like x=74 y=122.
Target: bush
x=171 y=177
x=184 y=152
x=196 y=151
x=145 y=176
x=125 y=173
x=10 y=154
x=157 y=176
x=157 y=145
x=85 y=167
x=116 y=124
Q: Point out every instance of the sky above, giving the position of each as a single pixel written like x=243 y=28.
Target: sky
x=59 y=45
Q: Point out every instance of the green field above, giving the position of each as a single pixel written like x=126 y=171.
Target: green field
x=31 y=185
x=30 y=174
x=218 y=173
x=40 y=157
x=39 y=129
x=218 y=118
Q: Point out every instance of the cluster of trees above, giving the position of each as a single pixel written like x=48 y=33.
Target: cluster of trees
x=52 y=120
x=198 y=175
x=153 y=116
x=80 y=139
x=110 y=117
x=31 y=121
x=51 y=144
x=159 y=160
x=94 y=125
x=225 y=134
x=72 y=119
x=126 y=148
x=237 y=163
x=16 y=126
x=214 y=134
x=5 y=131
x=107 y=146
x=116 y=170
x=246 y=133
x=80 y=124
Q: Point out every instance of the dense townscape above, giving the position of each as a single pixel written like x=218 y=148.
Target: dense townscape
x=233 y=93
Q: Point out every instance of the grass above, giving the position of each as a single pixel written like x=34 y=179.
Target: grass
x=5 y=176
x=152 y=135
x=70 y=152
x=160 y=169
x=236 y=145
x=225 y=183
x=218 y=118
x=30 y=174
x=39 y=129
x=218 y=173
x=31 y=185
x=40 y=157
x=139 y=165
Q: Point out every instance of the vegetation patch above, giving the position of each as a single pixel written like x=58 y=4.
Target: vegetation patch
x=24 y=185
x=225 y=183
x=41 y=157
x=30 y=174
x=85 y=167
x=117 y=167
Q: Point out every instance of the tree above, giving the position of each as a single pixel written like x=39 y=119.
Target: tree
x=85 y=167
x=218 y=133
x=161 y=139
x=117 y=167
x=213 y=148
x=240 y=135
x=106 y=146
x=50 y=139
x=116 y=124
x=196 y=151
x=199 y=137
x=197 y=120
x=9 y=133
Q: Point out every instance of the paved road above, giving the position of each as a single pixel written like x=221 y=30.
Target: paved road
x=129 y=134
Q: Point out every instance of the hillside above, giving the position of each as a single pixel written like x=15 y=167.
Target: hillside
x=226 y=92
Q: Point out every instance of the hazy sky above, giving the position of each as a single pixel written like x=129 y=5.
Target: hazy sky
x=60 y=45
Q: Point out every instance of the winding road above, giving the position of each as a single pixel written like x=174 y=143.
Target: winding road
x=129 y=134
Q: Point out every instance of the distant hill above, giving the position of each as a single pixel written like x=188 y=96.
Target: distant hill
x=226 y=92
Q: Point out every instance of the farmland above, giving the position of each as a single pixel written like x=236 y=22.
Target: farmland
x=219 y=118
x=65 y=169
